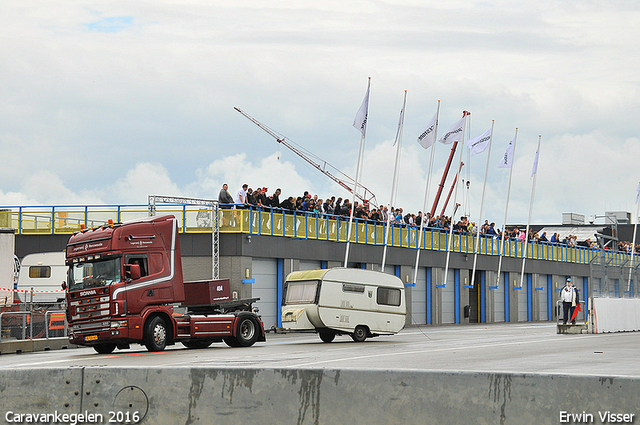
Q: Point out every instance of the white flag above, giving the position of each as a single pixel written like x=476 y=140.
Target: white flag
x=535 y=165
x=479 y=144
x=638 y=194
x=428 y=136
x=361 y=117
x=507 y=160
x=454 y=134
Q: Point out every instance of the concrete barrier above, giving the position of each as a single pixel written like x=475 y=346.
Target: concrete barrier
x=18 y=346
x=316 y=396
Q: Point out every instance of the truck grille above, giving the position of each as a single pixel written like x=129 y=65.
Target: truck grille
x=91 y=327
x=90 y=315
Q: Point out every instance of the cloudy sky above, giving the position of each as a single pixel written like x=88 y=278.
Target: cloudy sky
x=109 y=102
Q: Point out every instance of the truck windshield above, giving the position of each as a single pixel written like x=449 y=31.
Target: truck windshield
x=301 y=292
x=92 y=274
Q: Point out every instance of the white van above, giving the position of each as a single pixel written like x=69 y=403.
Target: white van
x=43 y=273
x=341 y=301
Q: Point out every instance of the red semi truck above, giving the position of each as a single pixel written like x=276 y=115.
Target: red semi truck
x=125 y=286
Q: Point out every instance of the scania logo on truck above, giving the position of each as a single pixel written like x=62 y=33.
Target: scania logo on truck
x=85 y=293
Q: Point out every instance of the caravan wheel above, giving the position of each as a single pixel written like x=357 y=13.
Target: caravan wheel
x=360 y=333
x=327 y=335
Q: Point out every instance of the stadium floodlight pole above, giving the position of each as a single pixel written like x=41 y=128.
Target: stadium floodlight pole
x=398 y=142
x=426 y=194
x=486 y=171
x=506 y=162
x=363 y=130
x=534 y=174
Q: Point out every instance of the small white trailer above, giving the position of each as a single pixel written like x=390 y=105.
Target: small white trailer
x=342 y=301
x=41 y=276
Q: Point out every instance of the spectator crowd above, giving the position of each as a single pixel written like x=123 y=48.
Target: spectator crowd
x=259 y=198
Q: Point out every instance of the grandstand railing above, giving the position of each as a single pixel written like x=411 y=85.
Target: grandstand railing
x=42 y=220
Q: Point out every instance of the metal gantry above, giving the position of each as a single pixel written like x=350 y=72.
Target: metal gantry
x=215 y=231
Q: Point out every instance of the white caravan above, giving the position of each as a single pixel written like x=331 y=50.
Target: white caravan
x=356 y=302
x=41 y=276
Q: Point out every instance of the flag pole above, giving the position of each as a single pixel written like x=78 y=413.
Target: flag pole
x=633 y=241
x=394 y=184
x=363 y=128
x=426 y=194
x=455 y=198
x=506 y=207
x=533 y=189
x=486 y=172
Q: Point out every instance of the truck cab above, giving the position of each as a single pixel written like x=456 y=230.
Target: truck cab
x=125 y=285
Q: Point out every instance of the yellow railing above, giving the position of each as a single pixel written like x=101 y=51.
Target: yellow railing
x=194 y=219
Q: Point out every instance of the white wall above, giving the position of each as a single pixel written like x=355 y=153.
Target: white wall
x=616 y=314
x=7 y=250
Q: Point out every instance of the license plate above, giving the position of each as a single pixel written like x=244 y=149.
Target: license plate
x=91 y=338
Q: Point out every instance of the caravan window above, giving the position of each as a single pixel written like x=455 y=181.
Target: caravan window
x=39 y=271
x=302 y=292
x=389 y=296
x=350 y=287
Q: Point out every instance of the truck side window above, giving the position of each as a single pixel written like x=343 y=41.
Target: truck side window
x=142 y=262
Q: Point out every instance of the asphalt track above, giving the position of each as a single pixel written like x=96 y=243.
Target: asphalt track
x=501 y=348
x=511 y=373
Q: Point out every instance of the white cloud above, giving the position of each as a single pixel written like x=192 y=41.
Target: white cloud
x=143 y=180
x=271 y=172
x=146 y=104
x=46 y=188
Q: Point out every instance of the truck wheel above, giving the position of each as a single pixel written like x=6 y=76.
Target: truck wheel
x=327 y=335
x=247 y=332
x=104 y=348
x=197 y=344
x=231 y=341
x=360 y=333
x=156 y=334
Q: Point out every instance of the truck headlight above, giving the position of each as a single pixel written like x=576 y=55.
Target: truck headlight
x=118 y=324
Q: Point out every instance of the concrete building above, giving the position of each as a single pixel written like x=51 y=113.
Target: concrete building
x=258 y=249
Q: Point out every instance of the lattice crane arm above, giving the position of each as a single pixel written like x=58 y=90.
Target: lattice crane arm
x=346 y=182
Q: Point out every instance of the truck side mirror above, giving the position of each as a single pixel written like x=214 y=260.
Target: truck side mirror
x=132 y=271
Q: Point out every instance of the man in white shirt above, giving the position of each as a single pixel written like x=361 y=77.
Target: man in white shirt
x=241 y=196
x=569 y=298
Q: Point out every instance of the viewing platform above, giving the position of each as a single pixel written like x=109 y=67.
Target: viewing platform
x=67 y=219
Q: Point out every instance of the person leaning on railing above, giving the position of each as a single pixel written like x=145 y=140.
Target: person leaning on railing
x=333 y=208
x=251 y=198
x=224 y=197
